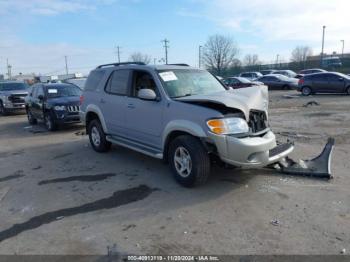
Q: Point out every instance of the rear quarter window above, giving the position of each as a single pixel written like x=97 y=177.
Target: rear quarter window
x=94 y=80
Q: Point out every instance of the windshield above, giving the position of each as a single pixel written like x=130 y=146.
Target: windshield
x=62 y=91
x=283 y=77
x=343 y=75
x=184 y=82
x=80 y=82
x=244 y=80
x=13 y=86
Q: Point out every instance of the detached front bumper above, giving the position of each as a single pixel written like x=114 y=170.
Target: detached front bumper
x=250 y=152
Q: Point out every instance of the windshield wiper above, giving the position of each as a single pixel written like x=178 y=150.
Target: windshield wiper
x=182 y=96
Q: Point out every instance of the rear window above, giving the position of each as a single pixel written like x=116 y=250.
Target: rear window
x=13 y=86
x=54 y=91
x=94 y=80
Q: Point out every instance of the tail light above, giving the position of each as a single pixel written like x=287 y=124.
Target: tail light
x=301 y=81
x=81 y=99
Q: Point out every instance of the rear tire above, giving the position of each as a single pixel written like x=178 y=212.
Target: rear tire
x=31 y=119
x=97 y=137
x=306 y=91
x=286 y=87
x=189 y=161
x=2 y=109
x=50 y=122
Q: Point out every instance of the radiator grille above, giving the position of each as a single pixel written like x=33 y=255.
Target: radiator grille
x=73 y=109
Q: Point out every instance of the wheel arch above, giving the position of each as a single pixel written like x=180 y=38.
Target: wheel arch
x=93 y=112
x=177 y=128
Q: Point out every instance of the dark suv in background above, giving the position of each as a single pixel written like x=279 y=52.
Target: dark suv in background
x=55 y=104
x=12 y=96
x=324 y=83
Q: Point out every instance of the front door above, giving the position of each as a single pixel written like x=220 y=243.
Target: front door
x=144 y=119
x=38 y=102
x=336 y=84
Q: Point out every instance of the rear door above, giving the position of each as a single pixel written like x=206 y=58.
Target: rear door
x=112 y=101
x=144 y=119
x=320 y=83
x=336 y=83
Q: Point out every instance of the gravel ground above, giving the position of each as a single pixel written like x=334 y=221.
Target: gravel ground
x=57 y=196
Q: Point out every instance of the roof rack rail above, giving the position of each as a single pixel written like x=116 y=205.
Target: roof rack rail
x=123 y=63
x=181 y=64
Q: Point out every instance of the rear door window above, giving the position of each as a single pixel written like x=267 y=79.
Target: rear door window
x=118 y=82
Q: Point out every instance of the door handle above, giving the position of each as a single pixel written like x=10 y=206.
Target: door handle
x=102 y=101
x=131 y=106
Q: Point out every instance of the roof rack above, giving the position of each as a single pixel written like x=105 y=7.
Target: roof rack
x=123 y=63
x=181 y=64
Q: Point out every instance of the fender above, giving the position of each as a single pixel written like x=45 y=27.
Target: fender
x=184 y=126
x=97 y=111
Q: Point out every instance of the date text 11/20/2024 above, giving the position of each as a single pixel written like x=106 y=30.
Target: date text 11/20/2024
x=172 y=258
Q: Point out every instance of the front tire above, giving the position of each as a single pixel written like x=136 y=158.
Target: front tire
x=31 y=119
x=189 y=161
x=2 y=109
x=97 y=137
x=50 y=122
x=306 y=91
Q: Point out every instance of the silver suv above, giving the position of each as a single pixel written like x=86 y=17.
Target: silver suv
x=180 y=114
x=12 y=96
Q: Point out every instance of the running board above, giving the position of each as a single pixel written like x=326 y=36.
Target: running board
x=147 y=150
x=319 y=166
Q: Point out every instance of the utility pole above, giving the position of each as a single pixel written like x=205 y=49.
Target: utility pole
x=342 y=50
x=166 y=46
x=324 y=28
x=118 y=53
x=199 y=56
x=277 y=58
x=65 y=59
x=8 y=69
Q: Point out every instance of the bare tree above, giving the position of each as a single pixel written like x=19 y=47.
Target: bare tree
x=251 y=60
x=300 y=54
x=139 y=57
x=219 y=53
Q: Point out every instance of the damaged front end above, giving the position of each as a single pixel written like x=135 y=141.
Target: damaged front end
x=257 y=147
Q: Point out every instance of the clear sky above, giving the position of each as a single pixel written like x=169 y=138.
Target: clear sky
x=35 y=35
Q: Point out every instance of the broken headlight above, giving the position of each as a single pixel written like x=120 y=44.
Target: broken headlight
x=228 y=126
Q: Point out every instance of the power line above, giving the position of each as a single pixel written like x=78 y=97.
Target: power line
x=166 y=46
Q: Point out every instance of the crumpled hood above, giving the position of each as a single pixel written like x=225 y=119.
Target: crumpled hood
x=244 y=99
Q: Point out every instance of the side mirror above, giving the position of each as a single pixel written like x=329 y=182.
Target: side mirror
x=41 y=97
x=147 y=94
x=340 y=79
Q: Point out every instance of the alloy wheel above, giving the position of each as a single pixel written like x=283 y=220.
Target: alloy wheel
x=183 y=161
